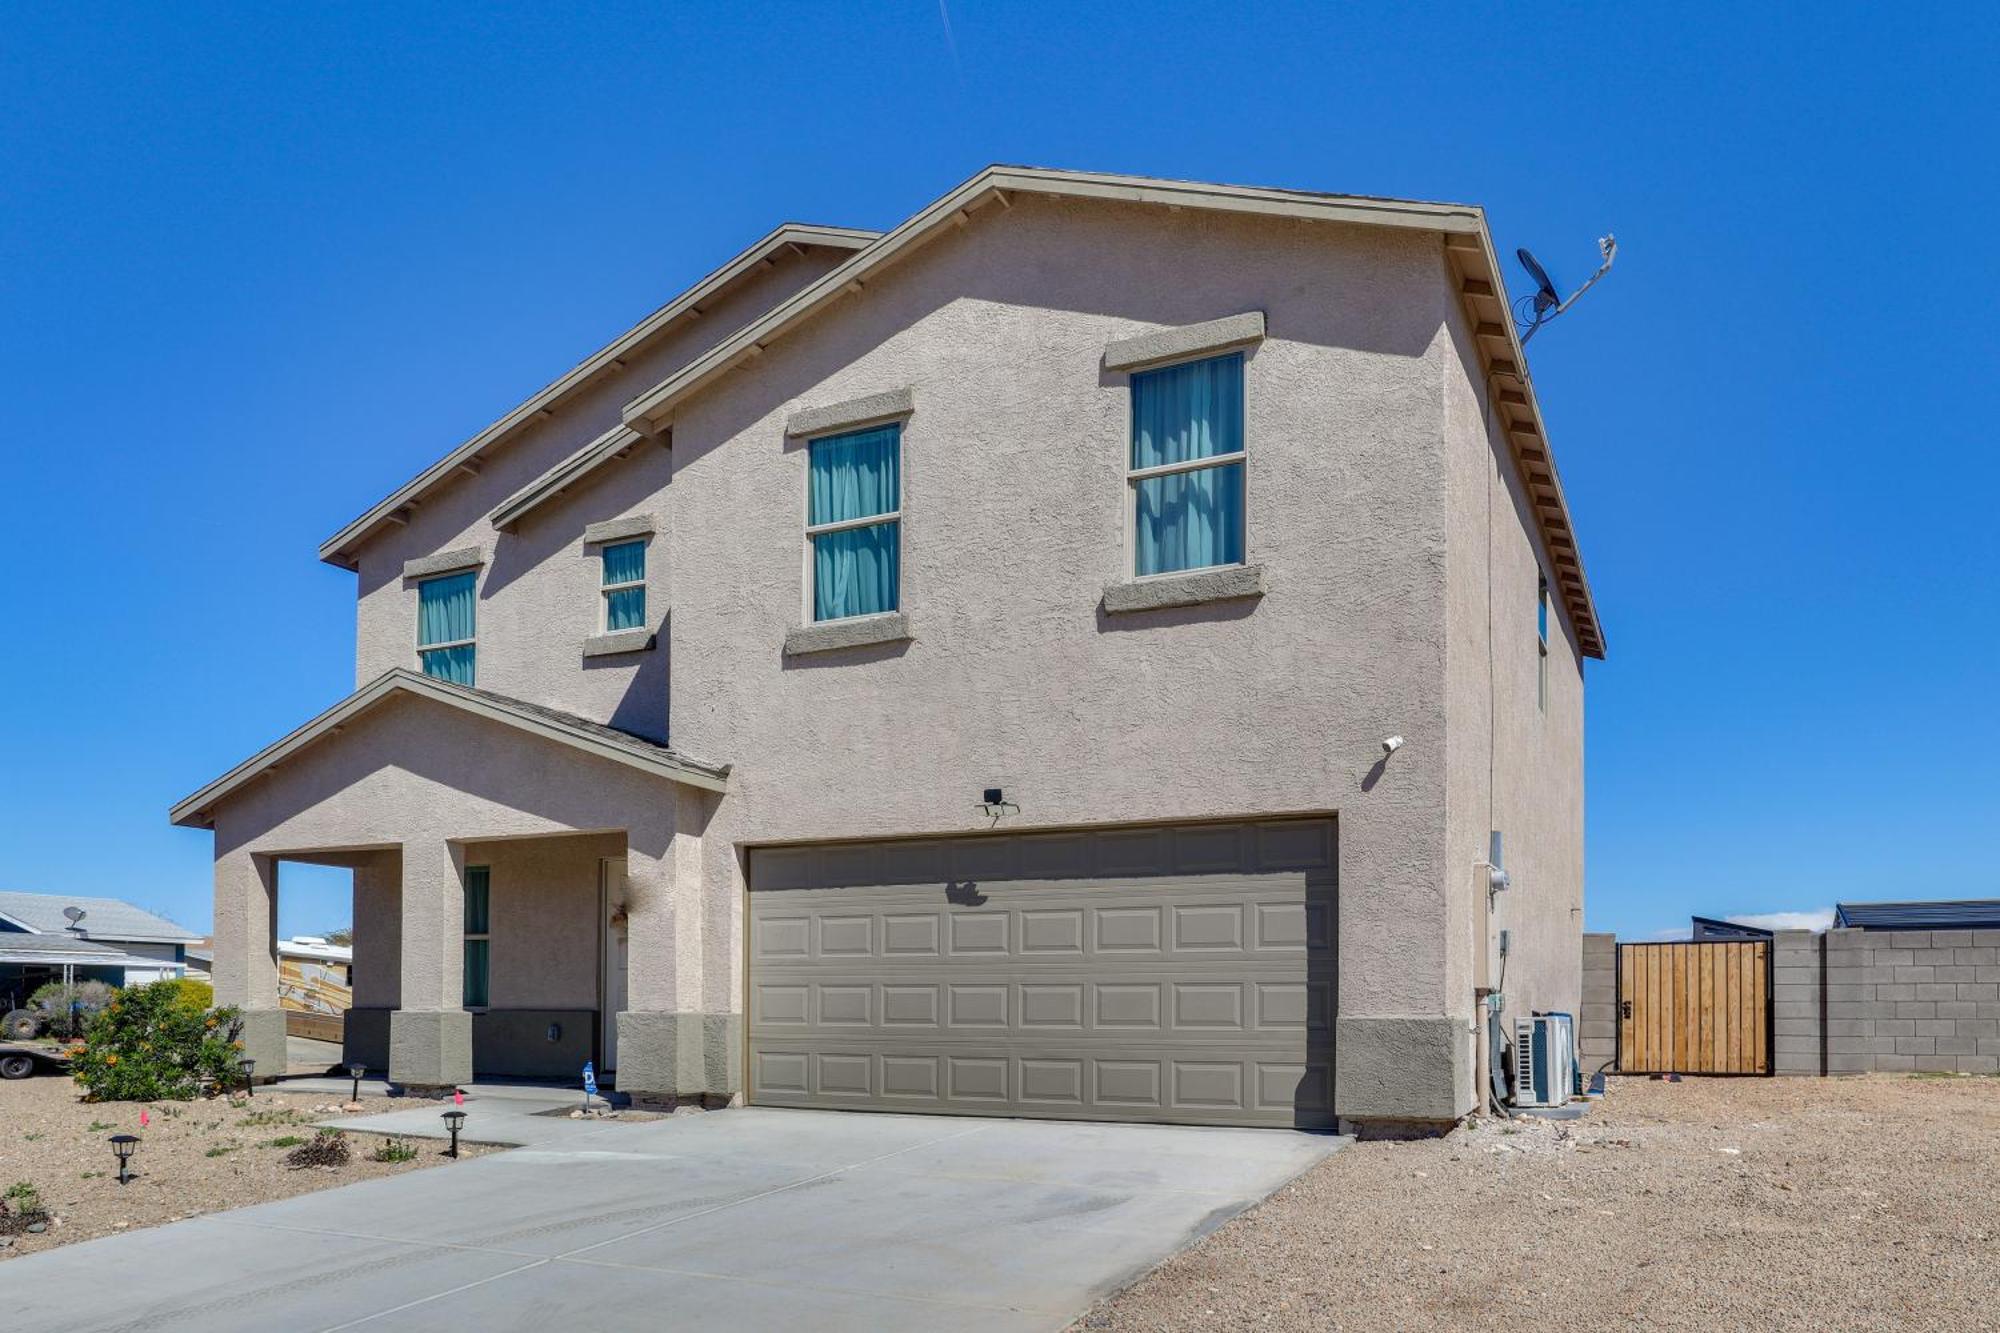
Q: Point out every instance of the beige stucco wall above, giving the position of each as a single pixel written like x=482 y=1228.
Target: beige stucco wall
x=1513 y=767
x=538 y=596
x=543 y=918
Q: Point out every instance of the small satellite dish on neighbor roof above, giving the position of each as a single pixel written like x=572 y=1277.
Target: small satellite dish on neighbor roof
x=76 y=916
x=1531 y=312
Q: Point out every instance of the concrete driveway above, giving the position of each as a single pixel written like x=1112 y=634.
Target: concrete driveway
x=749 y=1219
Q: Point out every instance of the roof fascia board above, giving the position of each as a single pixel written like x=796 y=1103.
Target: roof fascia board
x=334 y=550
x=563 y=475
x=16 y=921
x=191 y=810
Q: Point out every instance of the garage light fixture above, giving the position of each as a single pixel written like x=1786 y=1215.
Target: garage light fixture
x=993 y=803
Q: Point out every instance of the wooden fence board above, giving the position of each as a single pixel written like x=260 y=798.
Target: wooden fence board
x=1694 y=1008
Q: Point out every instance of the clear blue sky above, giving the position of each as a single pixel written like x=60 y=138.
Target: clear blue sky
x=257 y=268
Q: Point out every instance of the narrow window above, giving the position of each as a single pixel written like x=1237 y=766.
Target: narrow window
x=624 y=586
x=478 y=884
x=445 y=608
x=1186 y=469
x=854 y=511
x=1542 y=643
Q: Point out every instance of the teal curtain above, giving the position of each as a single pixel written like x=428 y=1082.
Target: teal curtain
x=856 y=475
x=1187 y=412
x=474 y=990
x=478 y=891
x=445 y=613
x=1188 y=520
x=625 y=608
x=856 y=571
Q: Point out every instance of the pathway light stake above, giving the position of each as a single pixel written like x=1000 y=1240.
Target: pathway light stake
x=355 y=1072
x=247 y=1066
x=123 y=1145
x=452 y=1120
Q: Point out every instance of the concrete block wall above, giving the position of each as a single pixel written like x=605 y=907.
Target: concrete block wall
x=1913 y=1001
x=1795 y=1002
x=1597 y=1034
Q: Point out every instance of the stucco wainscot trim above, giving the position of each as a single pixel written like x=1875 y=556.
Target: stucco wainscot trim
x=1191 y=589
x=854 y=413
x=444 y=562
x=197 y=811
x=1188 y=340
x=858 y=632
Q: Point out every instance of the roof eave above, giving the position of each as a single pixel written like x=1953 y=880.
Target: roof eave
x=338 y=550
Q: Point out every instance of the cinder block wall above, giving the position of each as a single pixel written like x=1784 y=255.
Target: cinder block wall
x=1795 y=984
x=1598 y=1035
x=1922 y=1000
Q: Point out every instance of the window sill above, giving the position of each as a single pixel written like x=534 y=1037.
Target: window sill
x=858 y=632
x=1185 y=589
x=623 y=641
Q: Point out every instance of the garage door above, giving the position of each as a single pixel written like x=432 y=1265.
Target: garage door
x=1178 y=973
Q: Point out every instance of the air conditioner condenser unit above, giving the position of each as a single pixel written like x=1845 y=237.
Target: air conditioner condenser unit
x=1544 y=1060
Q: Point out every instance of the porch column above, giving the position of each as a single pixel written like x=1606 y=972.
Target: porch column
x=378 y=959
x=246 y=954
x=430 y=1034
x=670 y=1051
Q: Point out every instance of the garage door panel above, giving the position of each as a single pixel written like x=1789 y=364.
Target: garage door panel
x=1160 y=973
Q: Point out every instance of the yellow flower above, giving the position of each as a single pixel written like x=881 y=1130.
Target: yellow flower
x=111 y=1059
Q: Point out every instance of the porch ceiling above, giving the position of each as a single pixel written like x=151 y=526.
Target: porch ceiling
x=197 y=810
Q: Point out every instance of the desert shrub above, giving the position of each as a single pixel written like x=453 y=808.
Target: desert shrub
x=70 y=1008
x=196 y=994
x=328 y=1148
x=395 y=1150
x=147 y=1045
x=20 y=1208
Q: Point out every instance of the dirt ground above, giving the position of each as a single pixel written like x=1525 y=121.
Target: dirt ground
x=195 y=1157
x=1718 y=1204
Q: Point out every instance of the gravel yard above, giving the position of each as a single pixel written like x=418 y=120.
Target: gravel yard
x=1864 y=1203
x=195 y=1157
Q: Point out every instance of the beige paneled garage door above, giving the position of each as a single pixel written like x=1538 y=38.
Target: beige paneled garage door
x=1180 y=973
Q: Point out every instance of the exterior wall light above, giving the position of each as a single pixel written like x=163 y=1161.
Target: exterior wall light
x=453 y=1120
x=124 y=1145
x=993 y=803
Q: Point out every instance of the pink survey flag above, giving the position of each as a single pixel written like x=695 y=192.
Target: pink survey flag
x=458 y=1096
x=145 y=1119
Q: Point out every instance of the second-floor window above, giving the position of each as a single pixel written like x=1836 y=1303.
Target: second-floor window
x=1186 y=466
x=854 y=510
x=446 y=608
x=624 y=586
x=1542 y=643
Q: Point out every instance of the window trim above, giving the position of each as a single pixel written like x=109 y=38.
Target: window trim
x=809 y=575
x=1134 y=476
x=485 y=936
x=417 y=629
x=604 y=590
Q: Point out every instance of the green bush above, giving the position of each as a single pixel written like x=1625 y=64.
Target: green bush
x=147 y=1045
x=195 y=994
x=70 y=1008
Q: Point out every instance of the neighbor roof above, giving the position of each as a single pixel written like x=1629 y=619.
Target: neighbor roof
x=56 y=950
x=1469 y=246
x=1947 y=914
x=339 y=549
x=103 y=919
x=197 y=811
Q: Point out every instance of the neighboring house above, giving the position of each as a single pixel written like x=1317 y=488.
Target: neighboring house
x=111 y=941
x=1708 y=930
x=314 y=975
x=954 y=670
x=1944 y=914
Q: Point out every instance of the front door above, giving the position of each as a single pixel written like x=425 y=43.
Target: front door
x=611 y=1000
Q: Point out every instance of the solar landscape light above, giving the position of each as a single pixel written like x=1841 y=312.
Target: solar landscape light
x=123 y=1145
x=355 y=1071
x=453 y=1120
x=248 y=1067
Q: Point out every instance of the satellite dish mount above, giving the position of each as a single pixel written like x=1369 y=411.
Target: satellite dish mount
x=1545 y=302
x=76 y=916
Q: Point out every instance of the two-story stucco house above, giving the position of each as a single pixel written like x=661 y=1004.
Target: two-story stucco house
x=955 y=669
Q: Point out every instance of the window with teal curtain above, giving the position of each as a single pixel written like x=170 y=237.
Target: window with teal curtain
x=625 y=586
x=445 y=615
x=1187 y=466
x=478 y=886
x=853 y=519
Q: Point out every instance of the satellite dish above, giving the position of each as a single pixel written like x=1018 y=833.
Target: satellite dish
x=75 y=915
x=1546 y=296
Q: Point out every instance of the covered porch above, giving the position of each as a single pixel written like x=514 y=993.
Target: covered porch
x=527 y=891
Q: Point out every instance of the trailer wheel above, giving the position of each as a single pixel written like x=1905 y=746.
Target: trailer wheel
x=21 y=1024
x=16 y=1066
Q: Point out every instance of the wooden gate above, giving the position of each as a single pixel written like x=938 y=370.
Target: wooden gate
x=1694 y=1008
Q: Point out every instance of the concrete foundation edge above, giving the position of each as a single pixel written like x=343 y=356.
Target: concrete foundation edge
x=1406 y=1069
x=680 y=1057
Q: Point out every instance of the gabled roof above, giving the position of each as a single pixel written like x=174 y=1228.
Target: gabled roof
x=197 y=811
x=103 y=918
x=339 y=548
x=1946 y=914
x=1482 y=291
